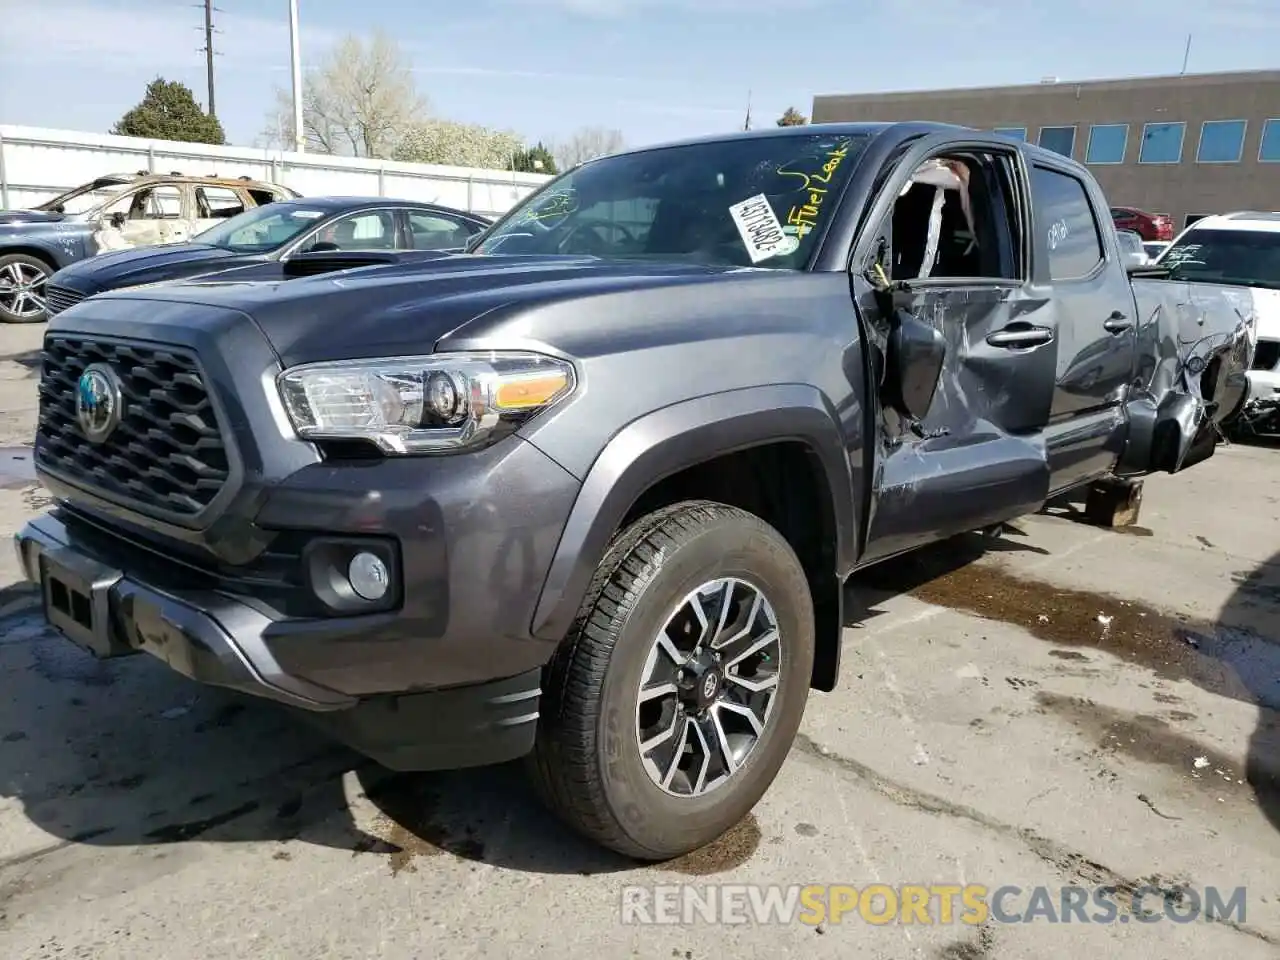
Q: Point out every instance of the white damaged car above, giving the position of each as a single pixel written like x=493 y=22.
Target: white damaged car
x=1240 y=250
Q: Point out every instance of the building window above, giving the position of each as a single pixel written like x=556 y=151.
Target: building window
x=1269 y=150
x=1065 y=217
x=1162 y=143
x=1107 y=143
x=1013 y=133
x=1221 y=141
x=1058 y=139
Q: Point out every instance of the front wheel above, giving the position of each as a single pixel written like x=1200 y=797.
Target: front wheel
x=670 y=707
x=22 y=288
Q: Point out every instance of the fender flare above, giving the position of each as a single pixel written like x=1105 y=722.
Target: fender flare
x=675 y=438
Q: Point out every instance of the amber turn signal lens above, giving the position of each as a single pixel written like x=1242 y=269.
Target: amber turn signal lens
x=530 y=391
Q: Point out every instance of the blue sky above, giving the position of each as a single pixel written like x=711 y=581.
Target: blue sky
x=656 y=69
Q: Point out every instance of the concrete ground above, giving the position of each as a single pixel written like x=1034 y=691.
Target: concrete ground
x=1073 y=706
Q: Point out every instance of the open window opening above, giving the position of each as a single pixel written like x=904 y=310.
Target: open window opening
x=956 y=219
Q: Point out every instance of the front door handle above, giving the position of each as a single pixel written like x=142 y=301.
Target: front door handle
x=1020 y=335
x=1117 y=323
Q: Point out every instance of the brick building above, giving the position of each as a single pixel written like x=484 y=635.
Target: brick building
x=1186 y=145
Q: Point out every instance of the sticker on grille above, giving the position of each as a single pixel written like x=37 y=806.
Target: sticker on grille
x=167 y=453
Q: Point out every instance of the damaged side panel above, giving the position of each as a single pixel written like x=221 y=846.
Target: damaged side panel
x=1195 y=344
x=981 y=446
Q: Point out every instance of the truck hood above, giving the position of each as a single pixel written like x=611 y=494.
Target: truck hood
x=405 y=309
x=14 y=218
x=120 y=268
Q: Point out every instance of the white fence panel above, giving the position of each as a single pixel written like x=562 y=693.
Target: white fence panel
x=37 y=164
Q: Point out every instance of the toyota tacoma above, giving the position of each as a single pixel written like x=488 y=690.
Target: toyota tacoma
x=588 y=493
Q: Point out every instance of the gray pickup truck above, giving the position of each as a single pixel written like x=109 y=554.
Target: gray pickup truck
x=588 y=494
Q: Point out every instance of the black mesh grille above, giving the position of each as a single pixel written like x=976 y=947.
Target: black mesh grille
x=167 y=453
x=1267 y=355
x=58 y=299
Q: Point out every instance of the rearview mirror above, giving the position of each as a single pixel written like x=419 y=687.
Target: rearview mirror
x=916 y=352
x=117 y=220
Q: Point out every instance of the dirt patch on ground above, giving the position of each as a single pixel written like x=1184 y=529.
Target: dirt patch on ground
x=1226 y=660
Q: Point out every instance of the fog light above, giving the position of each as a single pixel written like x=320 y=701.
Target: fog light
x=368 y=575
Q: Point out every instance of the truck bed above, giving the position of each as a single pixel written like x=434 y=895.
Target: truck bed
x=1196 y=339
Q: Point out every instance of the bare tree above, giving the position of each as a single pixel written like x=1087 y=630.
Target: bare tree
x=357 y=102
x=587 y=144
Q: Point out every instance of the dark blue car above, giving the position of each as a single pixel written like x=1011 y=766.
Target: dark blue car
x=269 y=236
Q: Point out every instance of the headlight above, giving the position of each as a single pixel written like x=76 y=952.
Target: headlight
x=443 y=402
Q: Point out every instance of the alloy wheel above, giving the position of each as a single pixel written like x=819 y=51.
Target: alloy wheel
x=708 y=687
x=22 y=289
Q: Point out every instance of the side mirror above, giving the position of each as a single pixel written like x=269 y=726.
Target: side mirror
x=916 y=353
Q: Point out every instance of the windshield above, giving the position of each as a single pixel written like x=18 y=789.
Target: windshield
x=82 y=199
x=262 y=229
x=754 y=201
x=1249 y=258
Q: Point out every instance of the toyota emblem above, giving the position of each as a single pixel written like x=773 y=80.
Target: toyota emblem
x=99 y=402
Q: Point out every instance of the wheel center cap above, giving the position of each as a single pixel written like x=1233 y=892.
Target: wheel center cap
x=710 y=684
x=701 y=684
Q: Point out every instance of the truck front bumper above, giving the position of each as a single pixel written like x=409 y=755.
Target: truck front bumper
x=217 y=639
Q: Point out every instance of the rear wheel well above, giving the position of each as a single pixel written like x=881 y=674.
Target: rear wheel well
x=785 y=485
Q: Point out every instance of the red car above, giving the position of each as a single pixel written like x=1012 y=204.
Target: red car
x=1149 y=226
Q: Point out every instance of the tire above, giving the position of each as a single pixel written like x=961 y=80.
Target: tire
x=587 y=763
x=21 y=268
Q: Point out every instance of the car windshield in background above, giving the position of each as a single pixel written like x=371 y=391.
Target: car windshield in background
x=82 y=199
x=1248 y=258
x=757 y=201
x=262 y=229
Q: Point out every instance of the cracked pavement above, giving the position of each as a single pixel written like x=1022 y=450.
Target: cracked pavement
x=1067 y=705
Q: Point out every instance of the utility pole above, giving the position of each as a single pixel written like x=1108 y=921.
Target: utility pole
x=299 y=135
x=1186 y=55
x=747 y=125
x=208 y=51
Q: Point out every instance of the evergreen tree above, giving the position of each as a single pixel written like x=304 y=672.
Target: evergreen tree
x=536 y=159
x=169 y=111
